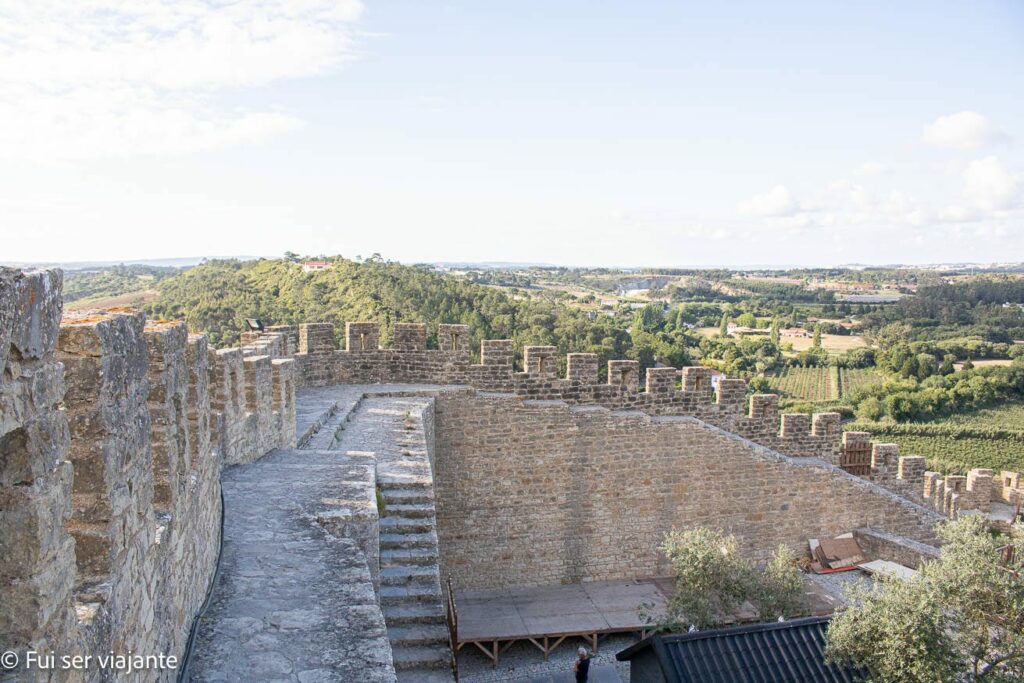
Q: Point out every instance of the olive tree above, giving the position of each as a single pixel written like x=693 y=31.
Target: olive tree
x=713 y=580
x=960 y=619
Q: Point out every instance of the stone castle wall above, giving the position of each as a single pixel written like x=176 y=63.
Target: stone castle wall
x=536 y=492
x=319 y=363
x=113 y=432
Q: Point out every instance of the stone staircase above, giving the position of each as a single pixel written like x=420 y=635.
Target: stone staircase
x=410 y=590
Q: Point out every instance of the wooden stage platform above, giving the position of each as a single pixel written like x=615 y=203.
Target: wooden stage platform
x=491 y=620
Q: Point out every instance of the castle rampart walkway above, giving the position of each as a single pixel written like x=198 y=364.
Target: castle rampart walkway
x=295 y=599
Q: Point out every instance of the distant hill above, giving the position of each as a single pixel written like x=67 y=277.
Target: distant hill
x=217 y=296
x=180 y=262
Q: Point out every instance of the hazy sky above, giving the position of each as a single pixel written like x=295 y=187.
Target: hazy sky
x=605 y=133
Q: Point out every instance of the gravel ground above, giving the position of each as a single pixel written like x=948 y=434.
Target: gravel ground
x=524 y=660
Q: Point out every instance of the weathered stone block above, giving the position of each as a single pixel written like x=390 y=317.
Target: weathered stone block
x=795 y=425
x=581 y=367
x=624 y=373
x=496 y=352
x=316 y=338
x=30 y=311
x=453 y=337
x=697 y=379
x=765 y=407
x=660 y=381
x=732 y=394
x=540 y=360
x=826 y=424
x=410 y=337
x=362 y=336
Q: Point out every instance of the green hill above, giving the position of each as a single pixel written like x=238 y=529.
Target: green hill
x=216 y=297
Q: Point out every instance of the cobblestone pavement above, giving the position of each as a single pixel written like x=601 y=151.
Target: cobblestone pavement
x=524 y=663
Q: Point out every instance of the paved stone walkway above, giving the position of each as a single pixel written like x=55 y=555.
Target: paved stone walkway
x=293 y=601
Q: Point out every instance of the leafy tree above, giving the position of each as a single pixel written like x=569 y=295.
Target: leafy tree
x=774 y=336
x=925 y=365
x=723 y=326
x=712 y=580
x=816 y=339
x=871 y=408
x=962 y=619
x=747 y=320
x=779 y=590
x=650 y=318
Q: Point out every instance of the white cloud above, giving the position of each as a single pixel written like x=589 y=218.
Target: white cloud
x=872 y=169
x=778 y=201
x=990 y=185
x=82 y=79
x=963 y=130
x=958 y=213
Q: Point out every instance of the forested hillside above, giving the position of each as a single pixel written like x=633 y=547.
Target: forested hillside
x=216 y=297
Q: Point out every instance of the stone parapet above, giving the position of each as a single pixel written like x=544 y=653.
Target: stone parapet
x=37 y=552
x=596 y=489
x=410 y=337
x=408 y=361
x=112 y=434
x=581 y=367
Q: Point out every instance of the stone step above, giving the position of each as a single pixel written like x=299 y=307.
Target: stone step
x=404 y=495
x=401 y=557
x=403 y=509
x=399 y=595
x=411 y=482
x=424 y=540
x=402 y=575
x=420 y=634
x=405 y=525
x=421 y=657
x=415 y=613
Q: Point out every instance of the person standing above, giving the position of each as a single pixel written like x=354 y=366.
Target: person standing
x=582 y=665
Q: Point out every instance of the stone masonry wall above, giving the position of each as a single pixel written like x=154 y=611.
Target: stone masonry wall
x=37 y=552
x=113 y=432
x=535 y=492
x=319 y=363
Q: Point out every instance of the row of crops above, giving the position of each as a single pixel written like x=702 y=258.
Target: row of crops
x=822 y=383
x=807 y=384
x=951 y=447
x=852 y=380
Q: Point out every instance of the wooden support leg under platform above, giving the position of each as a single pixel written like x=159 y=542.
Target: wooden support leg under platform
x=491 y=653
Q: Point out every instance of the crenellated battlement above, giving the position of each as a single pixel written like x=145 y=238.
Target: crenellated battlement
x=113 y=432
x=661 y=391
x=115 y=429
x=907 y=475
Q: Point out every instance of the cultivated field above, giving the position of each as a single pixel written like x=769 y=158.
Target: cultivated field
x=822 y=384
x=120 y=300
x=951 y=447
x=829 y=342
x=854 y=379
x=985 y=362
x=807 y=384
